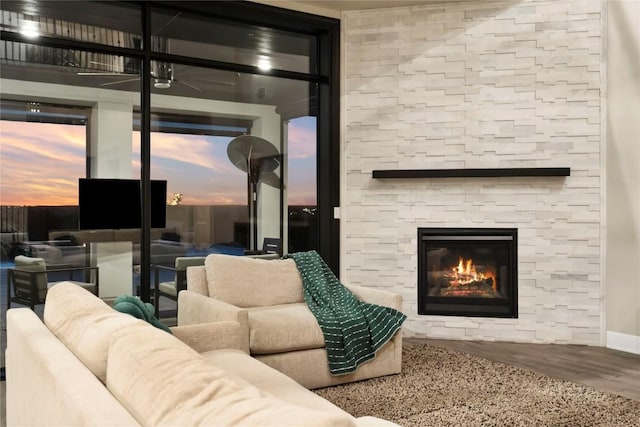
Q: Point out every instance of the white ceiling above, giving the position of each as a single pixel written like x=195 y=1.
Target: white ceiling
x=334 y=8
x=342 y=5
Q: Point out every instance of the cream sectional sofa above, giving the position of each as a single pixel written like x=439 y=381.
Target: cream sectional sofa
x=266 y=298
x=87 y=364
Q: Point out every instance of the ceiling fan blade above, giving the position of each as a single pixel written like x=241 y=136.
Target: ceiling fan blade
x=101 y=63
x=165 y=25
x=220 y=82
x=178 y=69
x=104 y=74
x=128 y=69
x=119 y=81
x=189 y=84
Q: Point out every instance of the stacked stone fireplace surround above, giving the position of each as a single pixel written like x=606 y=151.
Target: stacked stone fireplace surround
x=478 y=85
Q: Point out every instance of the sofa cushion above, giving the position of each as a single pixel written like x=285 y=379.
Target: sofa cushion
x=250 y=282
x=84 y=323
x=269 y=380
x=281 y=328
x=47 y=385
x=163 y=382
x=212 y=336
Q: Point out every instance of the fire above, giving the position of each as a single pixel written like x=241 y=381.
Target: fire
x=465 y=273
x=468 y=269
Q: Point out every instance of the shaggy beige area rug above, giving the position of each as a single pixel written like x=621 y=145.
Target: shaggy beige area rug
x=442 y=387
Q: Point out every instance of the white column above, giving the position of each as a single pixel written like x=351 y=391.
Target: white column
x=268 y=213
x=110 y=143
x=110 y=150
x=115 y=265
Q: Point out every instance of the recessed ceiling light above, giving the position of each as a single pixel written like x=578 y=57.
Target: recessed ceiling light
x=264 y=64
x=30 y=29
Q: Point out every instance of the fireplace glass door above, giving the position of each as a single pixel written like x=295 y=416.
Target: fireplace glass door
x=467 y=272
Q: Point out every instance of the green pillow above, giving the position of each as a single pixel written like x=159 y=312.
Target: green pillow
x=141 y=310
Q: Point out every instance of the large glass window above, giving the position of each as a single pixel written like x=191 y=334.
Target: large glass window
x=234 y=189
x=302 y=198
x=224 y=117
x=61 y=124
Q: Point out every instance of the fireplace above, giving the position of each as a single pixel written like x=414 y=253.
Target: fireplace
x=468 y=272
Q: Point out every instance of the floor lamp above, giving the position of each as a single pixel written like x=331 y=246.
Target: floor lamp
x=259 y=159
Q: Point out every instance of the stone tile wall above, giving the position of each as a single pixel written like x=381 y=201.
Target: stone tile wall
x=478 y=85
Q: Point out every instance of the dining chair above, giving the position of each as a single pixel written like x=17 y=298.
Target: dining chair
x=171 y=288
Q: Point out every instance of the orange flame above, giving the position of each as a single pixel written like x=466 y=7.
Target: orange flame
x=465 y=273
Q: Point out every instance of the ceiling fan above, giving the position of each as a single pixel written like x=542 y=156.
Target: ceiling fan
x=162 y=75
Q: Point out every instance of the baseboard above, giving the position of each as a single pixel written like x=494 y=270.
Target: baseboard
x=623 y=342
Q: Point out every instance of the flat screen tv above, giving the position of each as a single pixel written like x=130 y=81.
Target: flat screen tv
x=116 y=203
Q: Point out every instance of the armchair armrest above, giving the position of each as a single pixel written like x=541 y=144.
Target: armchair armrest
x=162 y=267
x=385 y=299
x=179 y=279
x=89 y=277
x=72 y=270
x=157 y=268
x=203 y=311
x=69 y=270
x=212 y=336
x=194 y=308
x=377 y=296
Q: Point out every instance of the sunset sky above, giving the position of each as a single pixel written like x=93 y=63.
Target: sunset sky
x=40 y=164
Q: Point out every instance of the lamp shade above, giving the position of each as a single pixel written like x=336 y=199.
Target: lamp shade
x=256 y=156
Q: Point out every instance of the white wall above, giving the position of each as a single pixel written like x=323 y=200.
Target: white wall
x=473 y=85
x=619 y=150
x=623 y=175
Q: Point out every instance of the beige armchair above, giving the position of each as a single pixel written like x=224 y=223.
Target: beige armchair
x=29 y=280
x=266 y=297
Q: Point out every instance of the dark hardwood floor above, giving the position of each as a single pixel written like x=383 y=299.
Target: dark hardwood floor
x=604 y=369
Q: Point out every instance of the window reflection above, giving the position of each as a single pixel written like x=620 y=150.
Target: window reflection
x=239 y=153
x=215 y=203
x=186 y=34
x=70 y=20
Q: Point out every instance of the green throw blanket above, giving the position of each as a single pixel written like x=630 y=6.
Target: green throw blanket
x=142 y=310
x=353 y=330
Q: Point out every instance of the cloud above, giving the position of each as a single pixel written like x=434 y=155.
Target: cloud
x=302 y=139
x=196 y=150
x=41 y=163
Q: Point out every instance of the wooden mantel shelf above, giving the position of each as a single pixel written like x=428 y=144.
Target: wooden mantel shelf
x=469 y=173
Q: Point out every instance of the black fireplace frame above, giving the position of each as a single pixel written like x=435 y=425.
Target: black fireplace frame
x=468 y=306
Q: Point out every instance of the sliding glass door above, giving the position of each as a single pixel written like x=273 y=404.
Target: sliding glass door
x=224 y=114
